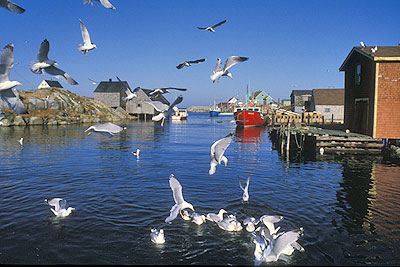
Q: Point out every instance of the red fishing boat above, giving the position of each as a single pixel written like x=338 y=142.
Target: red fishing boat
x=249 y=116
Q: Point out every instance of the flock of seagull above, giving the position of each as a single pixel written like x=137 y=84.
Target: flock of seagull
x=269 y=244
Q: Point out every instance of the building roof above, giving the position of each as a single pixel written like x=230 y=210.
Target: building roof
x=110 y=87
x=328 y=96
x=54 y=84
x=301 y=92
x=384 y=53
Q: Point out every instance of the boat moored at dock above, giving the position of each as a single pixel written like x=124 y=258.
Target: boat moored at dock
x=180 y=115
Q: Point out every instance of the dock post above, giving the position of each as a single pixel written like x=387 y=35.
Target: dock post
x=288 y=141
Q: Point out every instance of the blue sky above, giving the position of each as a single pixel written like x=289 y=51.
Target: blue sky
x=290 y=44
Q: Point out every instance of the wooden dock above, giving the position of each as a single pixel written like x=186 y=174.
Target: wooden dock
x=320 y=141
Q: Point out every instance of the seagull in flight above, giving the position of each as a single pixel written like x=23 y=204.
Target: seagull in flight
x=362 y=44
x=217 y=152
x=105 y=3
x=10 y=6
x=245 y=190
x=107 y=129
x=165 y=90
x=87 y=44
x=218 y=71
x=189 y=63
x=93 y=82
x=46 y=64
x=211 y=28
x=8 y=94
x=180 y=203
x=129 y=93
x=164 y=109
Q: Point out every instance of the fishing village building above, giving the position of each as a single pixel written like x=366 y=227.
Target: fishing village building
x=139 y=108
x=111 y=93
x=329 y=103
x=49 y=84
x=372 y=91
x=300 y=99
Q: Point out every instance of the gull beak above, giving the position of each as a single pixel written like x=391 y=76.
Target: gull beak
x=19 y=83
x=56 y=64
x=226 y=164
x=73 y=209
x=192 y=209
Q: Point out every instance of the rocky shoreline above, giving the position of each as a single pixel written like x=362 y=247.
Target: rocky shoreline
x=54 y=106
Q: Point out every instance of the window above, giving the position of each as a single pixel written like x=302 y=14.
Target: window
x=327 y=110
x=358 y=74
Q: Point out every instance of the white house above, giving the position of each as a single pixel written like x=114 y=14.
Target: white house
x=49 y=83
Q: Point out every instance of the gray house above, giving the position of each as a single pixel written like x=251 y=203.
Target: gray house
x=111 y=93
x=300 y=100
x=142 y=110
x=329 y=103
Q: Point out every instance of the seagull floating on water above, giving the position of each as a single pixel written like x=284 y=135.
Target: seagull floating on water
x=217 y=152
x=157 y=236
x=10 y=6
x=107 y=129
x=230 y=224
x=87 y=44
x=216 y=217
x=136 y=153
x=180 y=203
x=8 y=94
x=46 y=64
x=218 y=71
x=245 y=190
x=197 y=218
x=251 y=223
x=59 y=205
x=105 y=3
x=211 y=28
x=189 y=63
x=20 y=141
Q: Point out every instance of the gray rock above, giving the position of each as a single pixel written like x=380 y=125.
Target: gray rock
x=35 y=121
x=19 y=121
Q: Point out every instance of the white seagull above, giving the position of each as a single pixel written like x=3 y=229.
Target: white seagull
x=59 y=205
x=245 y=190
x=164 y=109
x=230 y=224
x=251 y=223
x=374 y=49
x=269 y=221
x=216 y=217
x=7 y=92
x=20 y=141
x=87 y=44
x=136 y=153
x=10 y=6
x=218 y=71
x=217 y=152
x=211 y=28
x=157 y=236
x=107 y=129
x=46 y=64
x=129 y=93
x=105 y=3
x=362 y=44
x=165 y=90
x=197 y=218
x=93 y=82
x=180 y=203
x=285 y=244
x=189 y=63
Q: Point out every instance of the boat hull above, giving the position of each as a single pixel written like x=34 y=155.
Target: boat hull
x=214 y=113
x=179 y=118
x=247 y=118
x=225 y=114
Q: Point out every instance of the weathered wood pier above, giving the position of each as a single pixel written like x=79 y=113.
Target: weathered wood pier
x=316 y=140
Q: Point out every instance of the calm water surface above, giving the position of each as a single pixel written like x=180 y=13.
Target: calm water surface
x=348 y=206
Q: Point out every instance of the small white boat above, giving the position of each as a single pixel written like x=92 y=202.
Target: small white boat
x=180 y=115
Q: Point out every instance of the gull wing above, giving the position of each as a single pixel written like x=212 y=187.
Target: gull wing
x=173 y=213
x=197 y=61
x=173 y=88
x=240 y=184
x=107 y=4
x=55 y=202
x=219 y=147
x=93 y=82
x=176 y=102
x=60 y=74
x=218 y=67
x=158 y=90
x=43 y=50
x=202 y=28
x=218 y=24
x=176 y=189
x=233 y=60
x=6 y=62
x=247 y=182
x=159 y=106
x=286 y=239
x=10 y=6
x=13 y=101
x=180 y=66
x=126 y=89
x=85 y=33
x=63 y=204
x=108 y=127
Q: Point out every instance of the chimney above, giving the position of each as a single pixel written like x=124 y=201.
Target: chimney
x=110 y=80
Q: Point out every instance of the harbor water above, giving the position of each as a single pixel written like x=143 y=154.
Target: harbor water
x=348 y=205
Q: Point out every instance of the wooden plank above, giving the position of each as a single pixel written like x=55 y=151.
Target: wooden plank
x=349 y=144
x=347 y=139
x=352 y=150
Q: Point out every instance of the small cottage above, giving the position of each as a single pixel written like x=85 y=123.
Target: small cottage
x=300 y=100
x=261 y=98
x=329 y=103
x=111 y=93
x=372 y=91
x=49 y=83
